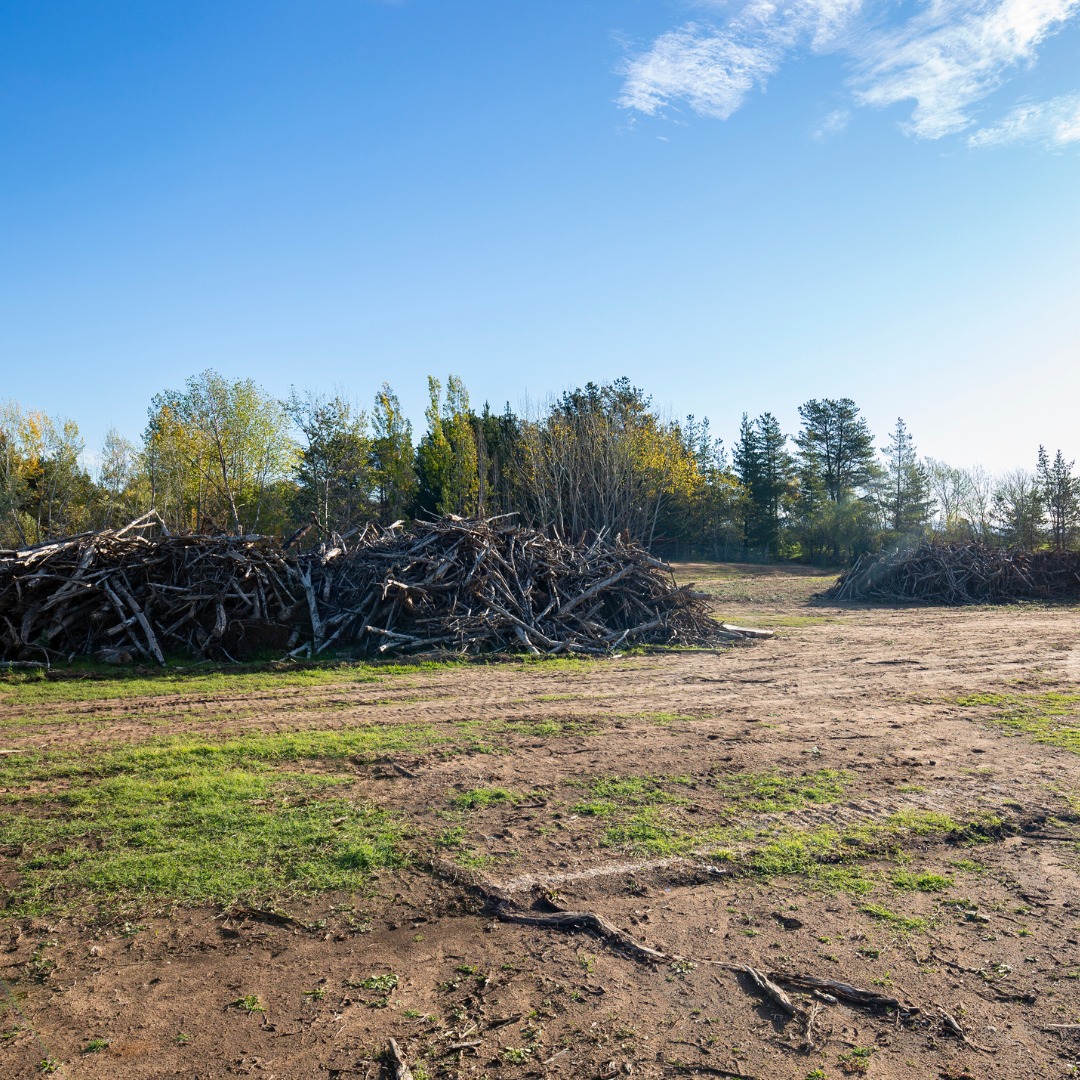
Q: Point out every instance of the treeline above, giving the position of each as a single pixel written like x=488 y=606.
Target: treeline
x=225 y=456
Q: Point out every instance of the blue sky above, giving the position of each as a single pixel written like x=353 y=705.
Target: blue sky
x=738 y=205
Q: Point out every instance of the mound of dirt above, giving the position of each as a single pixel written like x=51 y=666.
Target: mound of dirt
x=971 y=573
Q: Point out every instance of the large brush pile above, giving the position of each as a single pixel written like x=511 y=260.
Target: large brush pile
x=972 y=573
x=460 y=586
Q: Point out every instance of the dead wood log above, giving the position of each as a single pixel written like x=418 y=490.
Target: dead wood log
x=464 y=586
x=398 y=1062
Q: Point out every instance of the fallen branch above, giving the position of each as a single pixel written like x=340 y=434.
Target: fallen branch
x=854 y=995
x=398 y=1062
x=459 y=585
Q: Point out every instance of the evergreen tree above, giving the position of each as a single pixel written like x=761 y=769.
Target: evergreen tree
x=907 y=502
x=1060 y=493
x=766 y=471
x=836 y=467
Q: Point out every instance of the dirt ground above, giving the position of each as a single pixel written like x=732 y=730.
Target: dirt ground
x=956 y=892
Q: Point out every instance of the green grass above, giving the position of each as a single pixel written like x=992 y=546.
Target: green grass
x=483 y=797
x=177 y=755
x=258 y=818
x=772 y=792
x=610 y=795
x=1052 y=719
x=907 y=881
x=904 y=923
x=91 y=683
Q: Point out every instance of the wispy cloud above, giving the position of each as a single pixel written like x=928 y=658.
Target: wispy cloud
x=952 y=55
x=711 y=73
x=831 y=125
x=946 y=58
x=712 y=70
x=1054 y=123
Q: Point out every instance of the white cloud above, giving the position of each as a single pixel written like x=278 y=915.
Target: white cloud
x=713 y=70
x=832 y=124
x=946 y=58
x=710 y=73
x=1054 y=123
x=952 y=55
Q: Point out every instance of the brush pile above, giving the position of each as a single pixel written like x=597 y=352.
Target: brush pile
x=453 y=585
x=971 y=573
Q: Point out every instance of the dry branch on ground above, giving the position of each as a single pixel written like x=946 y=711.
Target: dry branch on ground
x=453 y=585
x=971 y=573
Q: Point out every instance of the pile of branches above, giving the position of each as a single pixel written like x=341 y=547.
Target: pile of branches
x=969 y=573
x=453 y=585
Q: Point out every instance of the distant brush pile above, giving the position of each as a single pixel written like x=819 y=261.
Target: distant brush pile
x=972 y=573
x=451 y=585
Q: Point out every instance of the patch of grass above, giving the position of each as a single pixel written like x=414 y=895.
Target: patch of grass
x=382 y=984
x=453 y=837
x=772 y=792
x=645 y=833
x=661 y=718
x=515 y=1055
x=482 y=797
x=86 y=681
x=637 y=790
x=906 y=923
x=970 y=866
x=193 y=821
x=636 y=802
x=94 y=1046
x=1050 y=718
x=182 y=754
x=549 y=728
x=856 y=1062
x=471 y=859
x=924 y=882
x=249 y=1003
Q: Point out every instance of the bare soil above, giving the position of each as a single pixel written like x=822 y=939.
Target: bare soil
x=868 y=693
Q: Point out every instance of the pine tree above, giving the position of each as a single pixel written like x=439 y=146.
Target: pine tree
x=907 y=501
x=837 y=464
x=1060 y=492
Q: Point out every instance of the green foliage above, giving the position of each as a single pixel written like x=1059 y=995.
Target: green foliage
x=767 y=473
x=1059 y=493
x=905 y=488
x=382 y=984
x=836 y=468
x=392 y=457
x=333 y=473
x=447 y=458
x=216 y=453
x=44 y=491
